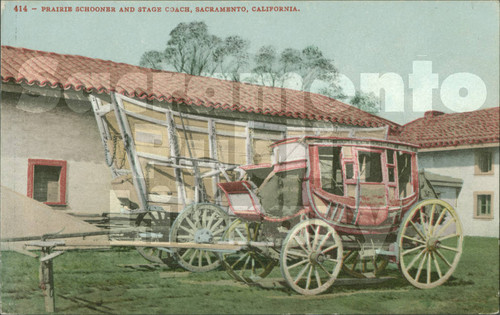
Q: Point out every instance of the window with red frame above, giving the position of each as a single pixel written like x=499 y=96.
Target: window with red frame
x=47 y=181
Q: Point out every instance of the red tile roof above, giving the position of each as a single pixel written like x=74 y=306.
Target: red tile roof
x=48 y=69
x=436 y=129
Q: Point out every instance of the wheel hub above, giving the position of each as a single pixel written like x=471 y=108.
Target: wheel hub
x=316 y=258
x=203 y=236
x=432 y=244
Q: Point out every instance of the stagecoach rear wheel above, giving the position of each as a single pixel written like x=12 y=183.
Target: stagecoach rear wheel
x=198 y=223
x=311 y=257
x=430 y=242
x=250 y=264
x=357 y=266
x=157 y=225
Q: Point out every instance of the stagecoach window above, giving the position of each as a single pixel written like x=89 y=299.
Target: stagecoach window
x=331 y=170
x=349 y=171
x=404 y=174
x=370 y=167
x=390 y=170
x=390 y=156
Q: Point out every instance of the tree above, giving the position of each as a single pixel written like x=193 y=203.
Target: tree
x=310 y=64
x=366 y=101
x=192 y=49
x=267 y=69
x=152 y=59
x=232 y=57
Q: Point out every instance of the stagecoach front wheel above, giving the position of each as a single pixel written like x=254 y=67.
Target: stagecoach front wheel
x=251 y=263
x=311 y=257
x=198 y=223
x=430 y=243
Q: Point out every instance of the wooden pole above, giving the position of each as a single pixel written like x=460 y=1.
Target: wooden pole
x=46 y=274
x=47 y=280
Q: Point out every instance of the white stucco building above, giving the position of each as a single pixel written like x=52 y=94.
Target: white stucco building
x=464 y=146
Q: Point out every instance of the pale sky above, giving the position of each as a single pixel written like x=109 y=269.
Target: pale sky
x=452 y=48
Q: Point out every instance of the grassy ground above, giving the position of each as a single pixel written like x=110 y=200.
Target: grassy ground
x=97 y=282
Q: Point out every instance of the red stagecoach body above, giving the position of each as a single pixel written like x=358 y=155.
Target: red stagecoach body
x=359 y=186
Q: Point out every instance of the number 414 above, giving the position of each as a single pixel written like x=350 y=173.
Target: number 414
x=20 y=8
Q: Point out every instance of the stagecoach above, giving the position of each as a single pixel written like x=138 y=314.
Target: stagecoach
x=321 y=205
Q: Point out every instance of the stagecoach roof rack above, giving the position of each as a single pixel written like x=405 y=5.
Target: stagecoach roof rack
x=347 y=140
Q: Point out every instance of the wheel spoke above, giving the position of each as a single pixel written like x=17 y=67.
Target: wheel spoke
x=193 y=256
x=209 y=223
x=308 y=239
x=414 y=239
x=447 y=237
x=329 y=248
x=309 y=274
x=445 y=227
x=332 y=260
x=437 y=266
x=449 y=248
x=316 y=234
x=443 y=258
x=301 y=273
x=204 y=219
x=301 y=245
x=418 y=231
x=441 y=216
x=318 y=278
x=214 y=233
x=325 y=238
x=186 y=252
x=413 y=249
x=429 y=268
x=209 y=260
x=193 y=226
x=419 y=270
x=245 y=265
x=217 y=223
x=422 y=222
x=325 y=271
x=191 y=232
x=200 y=258
x=298 y=264
x=239 y=259
x=294 y=253
x=431 y=219
x=415 y=260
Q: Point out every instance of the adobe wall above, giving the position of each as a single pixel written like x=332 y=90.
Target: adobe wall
x=38 y=128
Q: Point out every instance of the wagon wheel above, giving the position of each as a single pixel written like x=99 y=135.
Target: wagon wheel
x=430 y=243
x=158 y=224
x=198 y=223
x=311 y=257
x=358 y=267
x=249 y=264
